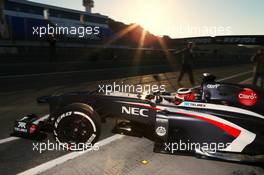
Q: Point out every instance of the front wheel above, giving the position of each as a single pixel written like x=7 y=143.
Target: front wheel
x=77 y=123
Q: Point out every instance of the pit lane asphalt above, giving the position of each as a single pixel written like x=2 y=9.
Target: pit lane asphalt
x=17 y=156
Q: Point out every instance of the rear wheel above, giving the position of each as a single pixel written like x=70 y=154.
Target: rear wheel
x=77 y=123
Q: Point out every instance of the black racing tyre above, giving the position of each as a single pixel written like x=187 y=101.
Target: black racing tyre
x=77 y=123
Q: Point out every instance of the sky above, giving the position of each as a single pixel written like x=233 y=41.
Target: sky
x=182 y=18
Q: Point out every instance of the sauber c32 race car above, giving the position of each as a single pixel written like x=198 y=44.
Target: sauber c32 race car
x=189 y=121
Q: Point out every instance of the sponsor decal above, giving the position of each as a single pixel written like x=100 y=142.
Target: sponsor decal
x=243 y=40
x=90 y=140
x=61 y=117
x=20 y=130
x=161 y=131
x=187 y=104
x=213 y=86
x=160 y=120
x=190 y=104
x=248 y=97
x=201 y=40
x=22 y=125
x=135 y=111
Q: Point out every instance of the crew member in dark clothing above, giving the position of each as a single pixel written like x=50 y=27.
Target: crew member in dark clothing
x=186 y=63
x=3 y=26
x=258 y=61
x=52 y=48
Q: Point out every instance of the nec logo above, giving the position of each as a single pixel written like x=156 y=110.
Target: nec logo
x=134 y=111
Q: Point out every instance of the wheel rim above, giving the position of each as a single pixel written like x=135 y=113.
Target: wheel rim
x=74 y=129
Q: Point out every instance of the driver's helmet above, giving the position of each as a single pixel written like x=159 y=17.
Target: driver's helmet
x=185 y=94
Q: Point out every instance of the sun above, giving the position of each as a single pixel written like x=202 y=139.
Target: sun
x=150 y=16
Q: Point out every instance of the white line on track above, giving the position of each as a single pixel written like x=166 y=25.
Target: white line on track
x=247 y=81
x=9 y=139
x=48 y=165
x=58 y=73
x=42 y=74
x=234 y=76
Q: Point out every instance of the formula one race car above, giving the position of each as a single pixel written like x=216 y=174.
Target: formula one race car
x=215 y=120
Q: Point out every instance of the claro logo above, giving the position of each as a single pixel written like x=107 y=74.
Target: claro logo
x=134 y=111
x=248 y=97
x=251 y=96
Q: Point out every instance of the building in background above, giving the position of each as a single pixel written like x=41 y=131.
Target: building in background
x=21 y=16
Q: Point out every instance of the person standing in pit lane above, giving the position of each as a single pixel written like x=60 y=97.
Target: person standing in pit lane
x=52 y=48
x=3 y=26
x=186 y=63
x=258 y=62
